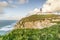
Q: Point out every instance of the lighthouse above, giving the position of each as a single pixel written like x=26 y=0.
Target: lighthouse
x=41 y=10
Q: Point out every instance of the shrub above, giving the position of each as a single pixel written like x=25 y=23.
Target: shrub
x=52 y=33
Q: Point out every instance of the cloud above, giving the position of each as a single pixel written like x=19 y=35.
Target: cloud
x=3 y=4
x=10 y=4
x=8 y=17
x=18 y=1
x=36 y=10
x=10 y=1
x=51 y=6
x=23 y=1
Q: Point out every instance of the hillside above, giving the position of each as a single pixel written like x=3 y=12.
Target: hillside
x=36 y=27
x=51 y=33
x=38 y=21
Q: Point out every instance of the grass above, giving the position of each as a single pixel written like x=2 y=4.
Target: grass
x=51 y=33
x=39 y=17
x=1 y=37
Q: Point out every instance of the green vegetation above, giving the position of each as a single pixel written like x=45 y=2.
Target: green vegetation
x=51 y=33
x=39 y=17
x=1 y=37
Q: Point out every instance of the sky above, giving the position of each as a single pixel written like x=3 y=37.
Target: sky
x=15 y=9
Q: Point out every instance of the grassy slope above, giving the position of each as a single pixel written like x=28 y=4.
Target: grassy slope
x=1 y=37
x=52 y=33
x=38 y=17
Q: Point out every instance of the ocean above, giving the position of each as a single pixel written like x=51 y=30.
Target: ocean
x=6 y=26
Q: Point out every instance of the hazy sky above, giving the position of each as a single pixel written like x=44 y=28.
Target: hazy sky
x=10 y=9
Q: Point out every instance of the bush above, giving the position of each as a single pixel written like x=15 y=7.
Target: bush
x=52 y=33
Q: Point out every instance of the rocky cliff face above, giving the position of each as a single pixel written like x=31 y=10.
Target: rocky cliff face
x=36 y=21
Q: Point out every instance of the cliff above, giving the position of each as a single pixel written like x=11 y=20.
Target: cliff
x=36 y=27
x=38 y=21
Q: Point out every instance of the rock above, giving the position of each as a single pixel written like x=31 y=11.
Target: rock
x=36 y=22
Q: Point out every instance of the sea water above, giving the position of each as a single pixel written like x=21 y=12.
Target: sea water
x=6 y=26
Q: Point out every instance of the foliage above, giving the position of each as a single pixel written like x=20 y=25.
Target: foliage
x=39 y=17
x=1 y=36
x=51 y=33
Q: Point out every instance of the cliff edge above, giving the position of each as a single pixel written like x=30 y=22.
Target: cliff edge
x=38 y=21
